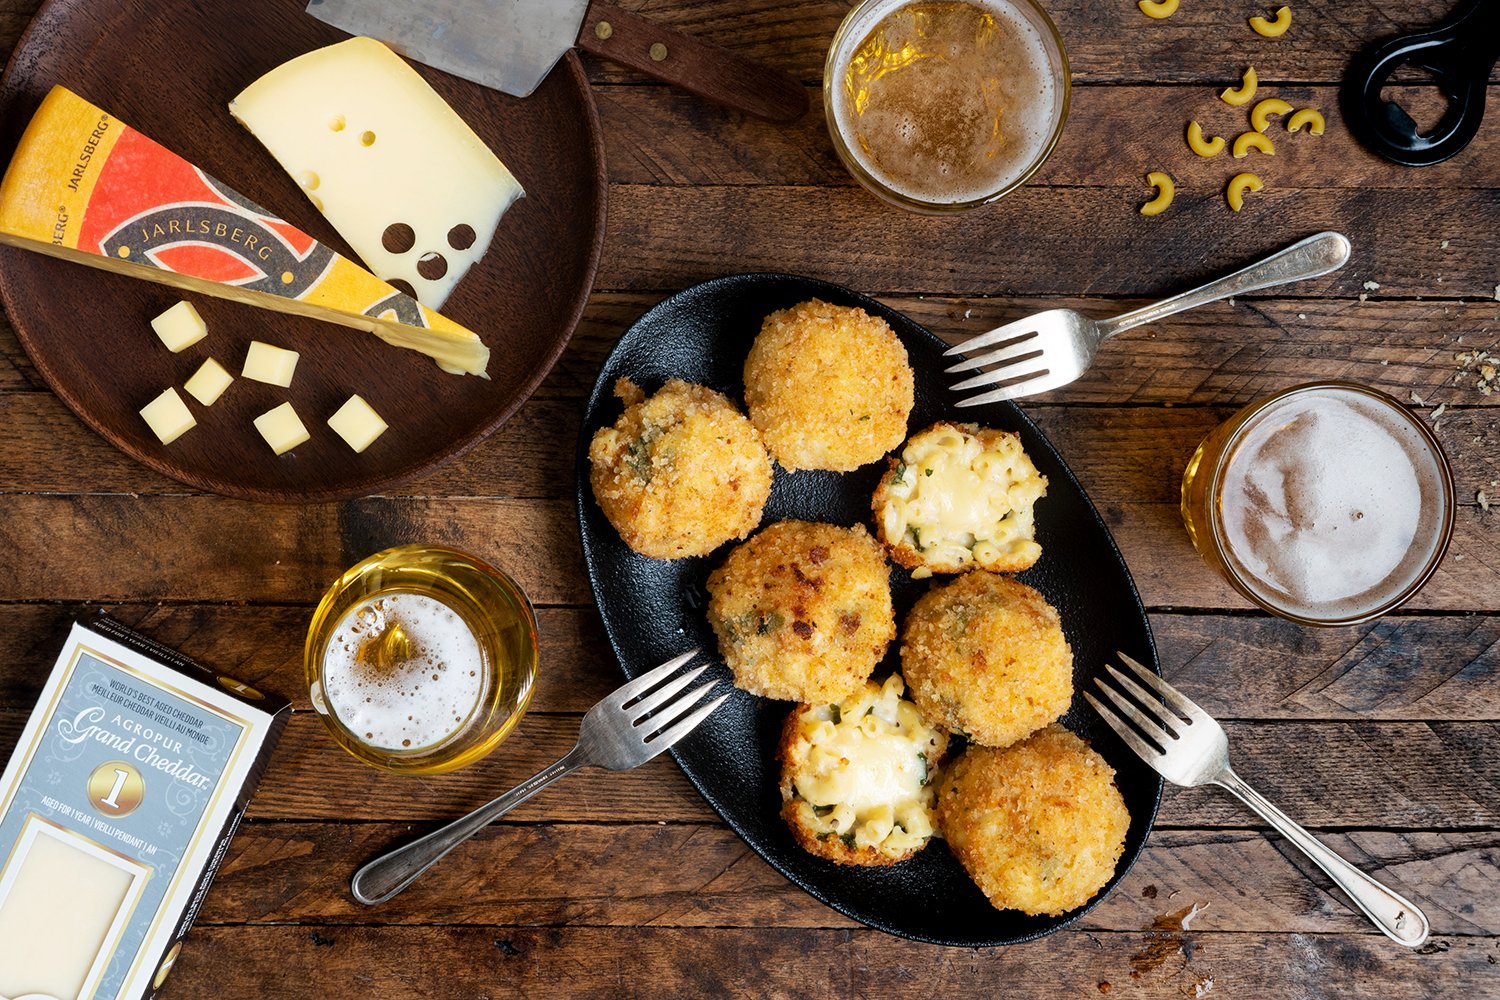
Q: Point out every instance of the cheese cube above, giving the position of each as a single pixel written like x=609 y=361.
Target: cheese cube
x=208 y=382
x=168 y=416
x=273 y=365
x=180 y=326
x=282 y=428
x=389 y=164
x=357 y=423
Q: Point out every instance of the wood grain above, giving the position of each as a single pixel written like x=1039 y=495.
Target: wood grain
x=1326 y=774
x=672 y=237
x=690 y=875
x=1207 y=44
x=1401 y=668
x=422 y=962
x=205 y=548
x=656 y=135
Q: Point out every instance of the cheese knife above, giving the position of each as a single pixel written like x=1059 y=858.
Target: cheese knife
x=511 y=46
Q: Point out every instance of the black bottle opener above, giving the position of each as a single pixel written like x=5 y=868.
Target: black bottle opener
x=1459 y=53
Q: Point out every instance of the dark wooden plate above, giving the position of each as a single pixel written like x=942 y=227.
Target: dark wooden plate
x=653 y=609
x=170 y=69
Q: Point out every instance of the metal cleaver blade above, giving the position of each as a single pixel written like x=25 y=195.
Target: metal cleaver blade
x=510 y=45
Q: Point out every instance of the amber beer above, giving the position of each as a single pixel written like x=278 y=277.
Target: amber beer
x=421 y=659
x=1329 y=503
x=945 y=105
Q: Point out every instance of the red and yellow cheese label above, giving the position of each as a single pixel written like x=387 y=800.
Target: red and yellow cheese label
x=86 y=186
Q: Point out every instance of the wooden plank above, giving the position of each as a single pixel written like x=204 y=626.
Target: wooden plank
x=424 y=962
x=1127 y=453
x=1400 y=668
x=1111 y=44
x=1169 y=574
x=1343 y=774
x=1326 y=774
x=200 y=548
x=122 y=547
x=1042 y=240
x=659 y=135
x=687 y=875
x=262 y=646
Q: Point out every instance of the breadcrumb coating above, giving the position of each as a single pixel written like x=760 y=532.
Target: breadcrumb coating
x=680 y=473
x=828 y=387
x=985 y=656
x=1039 y=826
x=803 y=610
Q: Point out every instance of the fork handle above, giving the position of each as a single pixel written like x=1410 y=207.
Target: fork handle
x=1401 y=921
x=388 y=874
x=1311 y=258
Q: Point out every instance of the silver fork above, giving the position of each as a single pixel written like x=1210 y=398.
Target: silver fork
x=1052 y=348
x=624 y=730
x=1187 y=747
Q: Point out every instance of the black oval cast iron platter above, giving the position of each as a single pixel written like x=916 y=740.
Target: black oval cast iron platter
x=655 y=609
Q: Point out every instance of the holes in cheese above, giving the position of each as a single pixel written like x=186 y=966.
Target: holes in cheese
x=357 y=423
x=282 y=428
x=168 y=416
x=272 y=365
x=390 y=154
x=134 y=207
x=180 y=327
x=208 y=382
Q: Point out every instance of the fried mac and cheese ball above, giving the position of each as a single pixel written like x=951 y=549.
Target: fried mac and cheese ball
x=856 y=776
x=985 y=656
x=1039 y=826
x=680 y=473
x=803 y=610
x=960 y=497
x=828 y=387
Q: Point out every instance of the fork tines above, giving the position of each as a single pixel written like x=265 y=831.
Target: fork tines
x=1154 y=719
x=654 y=700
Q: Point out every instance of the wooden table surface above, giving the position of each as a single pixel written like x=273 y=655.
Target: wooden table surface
x=1381 y=737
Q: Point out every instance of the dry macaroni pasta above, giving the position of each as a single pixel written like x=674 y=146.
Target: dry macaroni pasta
x=1273 y=29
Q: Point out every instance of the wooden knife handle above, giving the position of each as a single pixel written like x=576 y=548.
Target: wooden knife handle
x=701 y=67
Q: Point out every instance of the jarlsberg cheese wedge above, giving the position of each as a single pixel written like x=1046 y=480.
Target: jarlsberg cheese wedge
x=395 y=170
x=86 y=187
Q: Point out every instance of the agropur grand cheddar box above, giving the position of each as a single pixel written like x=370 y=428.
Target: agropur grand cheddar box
x=115 y=811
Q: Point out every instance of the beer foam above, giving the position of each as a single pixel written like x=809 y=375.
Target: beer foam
x=1323 y=506
x=415 y=696
x=941 y=114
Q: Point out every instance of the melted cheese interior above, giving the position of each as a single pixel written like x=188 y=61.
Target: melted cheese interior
x=865 y=773
x=956 y=499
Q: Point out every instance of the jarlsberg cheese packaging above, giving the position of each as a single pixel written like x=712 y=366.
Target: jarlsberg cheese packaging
x=115 y=811
x=385 y=159
x=86 y=187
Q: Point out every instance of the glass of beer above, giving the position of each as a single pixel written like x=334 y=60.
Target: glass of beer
x=944 y=105
x=421 y=659
x=1328 y=503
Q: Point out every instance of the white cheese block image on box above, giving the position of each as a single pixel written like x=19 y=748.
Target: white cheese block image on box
x=180 y=327
x=385 y=159
x=357 y=423
x=282 y=428
x=208 y=382
x=64 y=901
x=168 y=416
x=269 y=364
